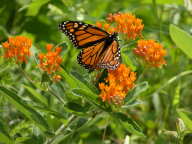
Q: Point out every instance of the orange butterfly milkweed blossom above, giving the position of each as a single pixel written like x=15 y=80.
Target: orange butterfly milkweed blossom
x=99 y=48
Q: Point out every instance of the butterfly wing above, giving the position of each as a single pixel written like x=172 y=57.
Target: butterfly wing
x=82 y=35
x=89 y=56
x=98 y=56
x=110 y=58
x=100 y=50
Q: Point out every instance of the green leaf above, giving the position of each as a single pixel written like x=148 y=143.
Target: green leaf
x=17 y=129
x=35 y=6
x=72 y=81
x=179 y=2
x=37 y=95
x=24 y=108
x=182 y=39
x=5 y=139
x=128 y=62
x=128 y=124
x=138 y=90
x=185 y=118
x=83 y=92
x=89 y=96
x=4 y=136
x=19 y=140
x=60 y=138
x=76 y=107
x=75 y=83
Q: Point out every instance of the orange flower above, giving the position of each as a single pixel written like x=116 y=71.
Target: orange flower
x=124 y=23
x=17 y=48
x=119 y=82
x=106 y=27
x=151 y=51
x=127 y=24
x=50 y=62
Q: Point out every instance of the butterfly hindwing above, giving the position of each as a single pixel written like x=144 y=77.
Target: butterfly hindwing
x=89 y=56
x=110 y=58
x=99 y=56
x=81 y=34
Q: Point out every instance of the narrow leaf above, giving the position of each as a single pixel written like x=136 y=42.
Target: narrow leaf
x=37 y=95
x=128 y=61
x=24 y=108
x=4 y=136
x=89 y=96
x=185 y=118
x=127 y=123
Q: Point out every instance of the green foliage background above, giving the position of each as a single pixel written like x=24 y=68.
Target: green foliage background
x=33 y=110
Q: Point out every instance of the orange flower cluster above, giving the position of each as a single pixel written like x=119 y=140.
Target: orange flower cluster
x=18 y=48
x=106 y=27
x=151 y=51
x=119 y=82
x=50 y=62
x=125 y=23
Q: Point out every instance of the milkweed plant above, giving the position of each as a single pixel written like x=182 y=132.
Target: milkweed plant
x=47 y=97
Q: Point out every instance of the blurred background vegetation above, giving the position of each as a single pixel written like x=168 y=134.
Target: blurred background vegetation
x=157 y=111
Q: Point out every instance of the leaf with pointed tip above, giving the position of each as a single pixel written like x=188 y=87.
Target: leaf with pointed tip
x=182 y=39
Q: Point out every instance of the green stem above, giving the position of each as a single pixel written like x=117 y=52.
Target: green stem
x=174 y=79
x=155 y=9
x=58 y=45
x=158 y=17
x=25 y=75
x=58 y=97
x=146 y=68
x=127 y=45
x=61 y=129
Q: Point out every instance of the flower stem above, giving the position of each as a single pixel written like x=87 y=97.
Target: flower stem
x=173 y=79
x=60 y=130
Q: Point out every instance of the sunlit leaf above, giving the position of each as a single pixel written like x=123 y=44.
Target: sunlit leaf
x=180 y=2
x=128 y=61
x=185 y=118
x=35 y=6
x=182 y=39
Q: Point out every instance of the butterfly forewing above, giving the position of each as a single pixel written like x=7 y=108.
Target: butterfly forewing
x=81 y=34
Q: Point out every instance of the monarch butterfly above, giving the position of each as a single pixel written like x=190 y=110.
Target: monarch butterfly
x=99 y=48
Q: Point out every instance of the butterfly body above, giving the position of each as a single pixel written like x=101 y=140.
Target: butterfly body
x=99 y=48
